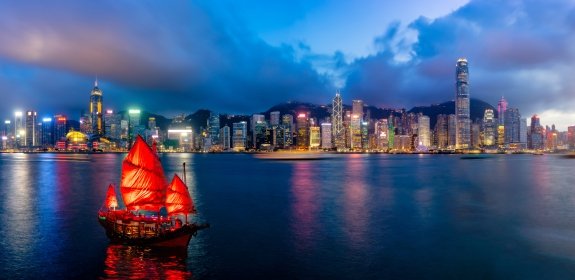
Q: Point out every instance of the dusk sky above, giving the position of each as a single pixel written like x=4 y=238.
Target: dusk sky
x=174 y=57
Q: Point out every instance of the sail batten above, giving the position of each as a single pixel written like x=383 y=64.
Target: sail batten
x=143 y=184
x=178 y=199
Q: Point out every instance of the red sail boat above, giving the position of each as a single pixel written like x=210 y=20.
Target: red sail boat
x=145 y=192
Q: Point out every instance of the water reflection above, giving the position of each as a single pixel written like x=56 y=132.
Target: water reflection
x=128 y=262
x=356 y=212
x=305 y=206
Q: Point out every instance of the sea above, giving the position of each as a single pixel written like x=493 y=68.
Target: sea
x=353 y=216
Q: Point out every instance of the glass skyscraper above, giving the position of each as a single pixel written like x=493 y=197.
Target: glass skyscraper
x=462 y=112
x=96 y=114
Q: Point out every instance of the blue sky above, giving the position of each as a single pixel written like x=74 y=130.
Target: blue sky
x=176 y=57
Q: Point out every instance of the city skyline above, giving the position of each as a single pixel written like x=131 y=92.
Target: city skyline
x=238 y=58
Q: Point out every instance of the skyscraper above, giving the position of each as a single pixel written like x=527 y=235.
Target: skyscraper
x=501 y=108
x=30 y=132
x=463 y=124
x=96 y=114
x=214 y=128
x=239 y=136
x=338 y=133
x=275 y=118
x=489 y=128
x=423 y=131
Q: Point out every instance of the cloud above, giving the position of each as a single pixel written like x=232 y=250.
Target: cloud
x=176 y=56
x=518 y=49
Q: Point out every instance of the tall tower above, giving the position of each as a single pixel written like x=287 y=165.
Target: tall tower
x=463 y=125
x=337 y=122
x=96 y=116
x=501 y=108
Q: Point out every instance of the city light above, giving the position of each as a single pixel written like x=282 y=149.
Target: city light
x=47 y=119
x=133 y=111
x=18 y=114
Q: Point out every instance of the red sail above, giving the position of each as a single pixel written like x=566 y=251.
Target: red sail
x=143 y=183
x=111 y=199
x=178 y=200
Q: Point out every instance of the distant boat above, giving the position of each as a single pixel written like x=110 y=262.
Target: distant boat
x=146 y=193
x=569 y=155
x=294 y=155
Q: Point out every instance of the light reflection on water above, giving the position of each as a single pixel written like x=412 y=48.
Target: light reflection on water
x=362 y=216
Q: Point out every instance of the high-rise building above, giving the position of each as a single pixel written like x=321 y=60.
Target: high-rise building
x=441 y=132
x=214 y=128
x=288 y=129
x=382 y=135
x=47 y=138
x=19 y=130
x=523 y=132
x=240 y=136
x=60 y=128
x=302 y=124
x=134 y=124
x=463 y=125
x=275 y=118
x=30 y=133
x=314 y=137
x=355 y=132
x=423 y=132
x=225 y=137
x=512 y=125
x=501 y=108
x=113 y=122
x=357 y=108
x=96 y=113
x=571 y=137
x=451 y=131
x=326 y=135
x=338 y=133
x=489 y=128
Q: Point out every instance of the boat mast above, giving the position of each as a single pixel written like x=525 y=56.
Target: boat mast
x=185 y=183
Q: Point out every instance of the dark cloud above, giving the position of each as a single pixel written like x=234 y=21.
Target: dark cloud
x=165 y=57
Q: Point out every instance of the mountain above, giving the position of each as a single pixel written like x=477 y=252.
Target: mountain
x=477 y=109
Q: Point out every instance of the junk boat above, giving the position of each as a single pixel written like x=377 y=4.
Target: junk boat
x=146 y=194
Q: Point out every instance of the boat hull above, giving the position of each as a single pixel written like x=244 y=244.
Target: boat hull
x=119 y=233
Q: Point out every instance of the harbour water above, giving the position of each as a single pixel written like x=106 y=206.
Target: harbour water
x=351 y=217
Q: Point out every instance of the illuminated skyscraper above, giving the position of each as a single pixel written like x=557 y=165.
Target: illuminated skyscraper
x=382 y=135
x=275 y=118
x=357 y=108
x=338 y=133
x=96 y=114
x=288 y=127
x=489 y=128
x=239 y=136
x=214 y=128
x=302 y=139
x=463 y=125
x=441 y=131
x=326 y=135
x=423 y=131
x=537 y=134
x=451 y=131
x=47 y=138
x=30 y=132
x=19 y=131
x=314 y=137
x=501 y=108
x=512 y=125
x=225 y=137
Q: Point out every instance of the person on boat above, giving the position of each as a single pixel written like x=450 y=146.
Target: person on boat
x=178 y=223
